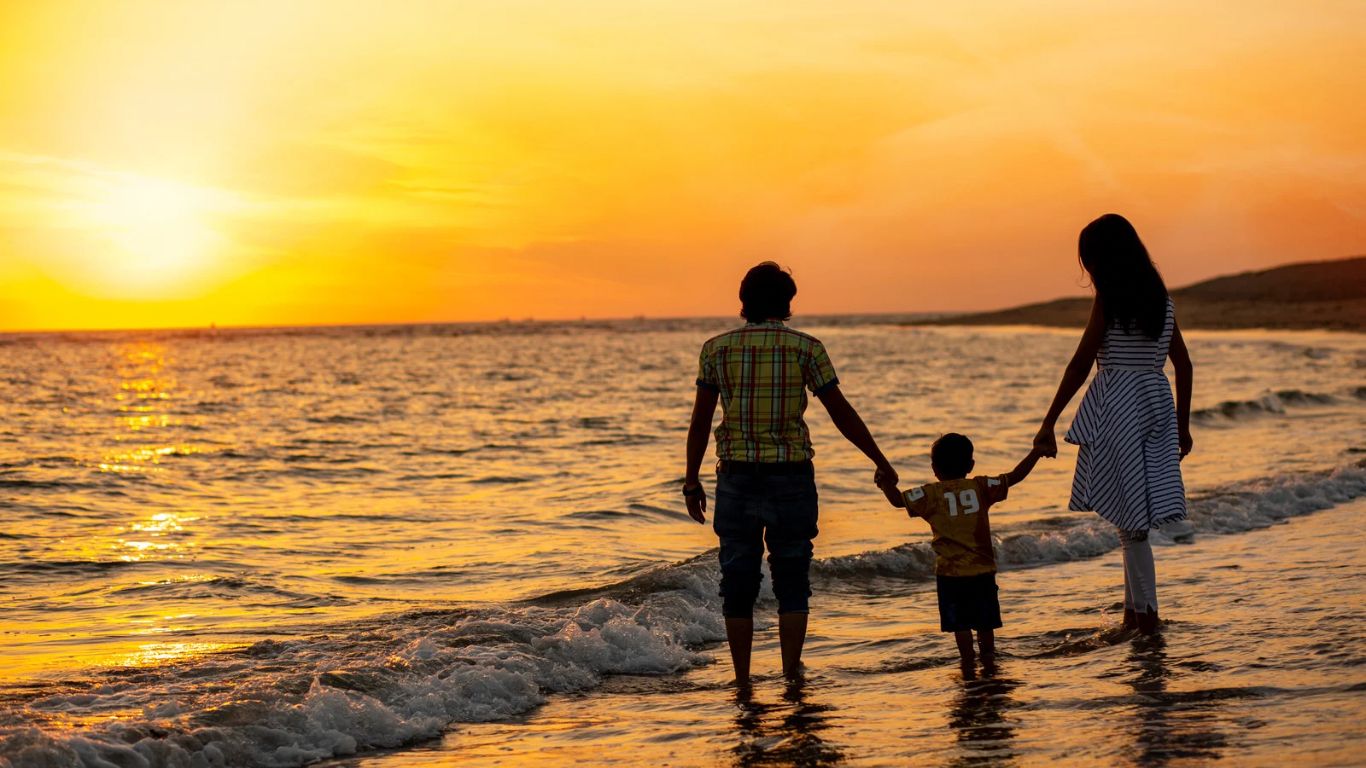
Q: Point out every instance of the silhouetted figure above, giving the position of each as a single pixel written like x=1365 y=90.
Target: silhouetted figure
x=765 y=481
x=957 y=509
x=1130 y=436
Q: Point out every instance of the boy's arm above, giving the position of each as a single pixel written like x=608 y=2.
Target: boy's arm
x=893 y=495
x=1022 y=470
x=851 y=425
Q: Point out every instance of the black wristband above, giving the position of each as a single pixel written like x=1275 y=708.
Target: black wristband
x=693 y=492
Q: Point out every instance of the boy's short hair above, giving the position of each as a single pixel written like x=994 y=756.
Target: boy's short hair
x=951 y=454
x=766 y=293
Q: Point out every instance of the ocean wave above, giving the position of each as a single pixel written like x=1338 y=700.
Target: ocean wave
x=382 y=685
x=48 y=568
x=391 y=681
x=234 y=587
x=1231 y=509
x=53 y=485
x=1270 y=403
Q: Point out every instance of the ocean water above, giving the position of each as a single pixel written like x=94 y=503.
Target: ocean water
x=464 y=544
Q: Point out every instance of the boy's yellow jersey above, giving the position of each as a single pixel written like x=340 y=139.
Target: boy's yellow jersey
x=957 y=513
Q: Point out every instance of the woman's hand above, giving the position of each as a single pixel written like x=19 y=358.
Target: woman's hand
x=1045 y=443
x=1186 y=442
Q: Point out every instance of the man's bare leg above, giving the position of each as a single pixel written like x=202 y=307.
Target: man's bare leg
x=1148 y=623
x=740 y=637
x=964 y=640
x=792 y=636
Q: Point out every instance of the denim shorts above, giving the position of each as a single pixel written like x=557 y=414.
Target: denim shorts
x=968 y=602
x=754 y=511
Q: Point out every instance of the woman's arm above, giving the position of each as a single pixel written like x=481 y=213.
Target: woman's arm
x=699 y=432
x=1072 y=378
x=1185 y=374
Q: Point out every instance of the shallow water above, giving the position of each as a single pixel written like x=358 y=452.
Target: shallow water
x=276 y=546
x=1261 y=663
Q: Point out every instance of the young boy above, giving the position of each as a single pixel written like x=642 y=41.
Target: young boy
x=965 y=566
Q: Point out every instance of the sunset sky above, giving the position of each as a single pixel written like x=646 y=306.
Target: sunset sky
x=181 y=163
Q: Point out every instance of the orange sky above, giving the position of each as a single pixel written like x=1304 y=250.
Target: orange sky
x=181 y=163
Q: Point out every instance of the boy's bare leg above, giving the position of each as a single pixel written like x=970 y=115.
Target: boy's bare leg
x=964 y=640
x=986 y=640
x=792 y=636
x=740 y=637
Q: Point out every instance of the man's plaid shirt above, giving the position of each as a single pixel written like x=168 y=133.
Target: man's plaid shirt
x=762 y=372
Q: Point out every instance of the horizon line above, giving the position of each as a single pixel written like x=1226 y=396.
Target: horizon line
x=213 y=327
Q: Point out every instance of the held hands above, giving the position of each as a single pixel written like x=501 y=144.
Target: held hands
x=1045 y=443
x=886 y=479
x=1186 y=442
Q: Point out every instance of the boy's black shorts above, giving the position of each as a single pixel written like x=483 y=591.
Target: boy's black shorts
x=968 y=602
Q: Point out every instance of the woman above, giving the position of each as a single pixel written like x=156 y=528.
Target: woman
x=1130 y=436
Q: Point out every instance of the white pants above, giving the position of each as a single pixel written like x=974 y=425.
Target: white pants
x=1140 y=574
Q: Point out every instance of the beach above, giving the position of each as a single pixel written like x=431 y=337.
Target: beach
x=464 y=544
x=1235 y=677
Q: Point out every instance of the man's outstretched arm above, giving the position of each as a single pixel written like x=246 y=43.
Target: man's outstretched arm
x=699 y=432
x=851 y=425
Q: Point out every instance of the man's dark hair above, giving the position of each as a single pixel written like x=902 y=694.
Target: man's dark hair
x=766 y=293
x=951 y=455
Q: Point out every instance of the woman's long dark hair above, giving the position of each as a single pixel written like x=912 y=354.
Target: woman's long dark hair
x=1128 y=285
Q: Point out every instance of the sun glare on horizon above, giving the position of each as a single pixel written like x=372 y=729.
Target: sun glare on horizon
x=159 y=240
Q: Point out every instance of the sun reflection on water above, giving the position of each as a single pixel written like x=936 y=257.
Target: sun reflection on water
x=143 y=385
x=141 y=549
x=163 y=522
x=144 y=460
x=151 y=541
x=149 y=654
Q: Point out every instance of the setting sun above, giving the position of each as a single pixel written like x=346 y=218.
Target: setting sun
x=157 y=239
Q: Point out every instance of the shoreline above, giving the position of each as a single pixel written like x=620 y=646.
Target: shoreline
x=1070 y=669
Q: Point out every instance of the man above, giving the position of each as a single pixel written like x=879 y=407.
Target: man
x=765 y=481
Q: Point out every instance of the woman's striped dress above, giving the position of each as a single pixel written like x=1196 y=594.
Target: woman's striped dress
x=1129 y=464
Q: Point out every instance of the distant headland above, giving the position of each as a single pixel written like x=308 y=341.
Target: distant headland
x=1310 y=295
